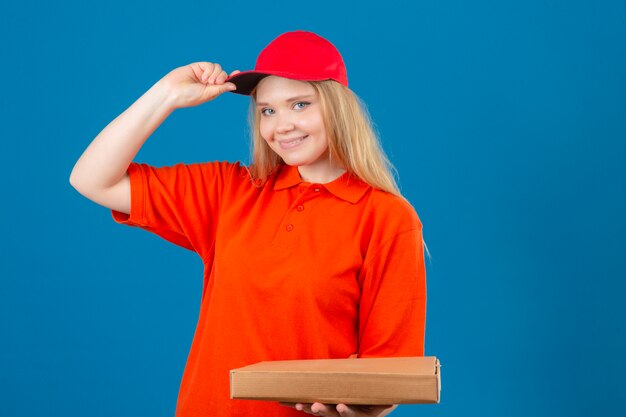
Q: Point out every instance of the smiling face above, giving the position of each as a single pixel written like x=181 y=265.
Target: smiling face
x=292 y=124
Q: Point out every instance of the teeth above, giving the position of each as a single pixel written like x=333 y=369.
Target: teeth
x=295 y=140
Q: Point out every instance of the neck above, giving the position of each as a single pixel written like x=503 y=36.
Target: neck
x=318 y=175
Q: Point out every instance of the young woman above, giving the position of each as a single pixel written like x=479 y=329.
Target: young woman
x=309 y=252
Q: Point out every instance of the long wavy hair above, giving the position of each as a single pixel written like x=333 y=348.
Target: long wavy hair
x=352 y=142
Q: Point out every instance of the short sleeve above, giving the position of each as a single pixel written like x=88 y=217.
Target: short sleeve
x=393 y=301
x=179 y=203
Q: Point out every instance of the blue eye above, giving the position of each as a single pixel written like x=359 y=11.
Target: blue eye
x=301 y=105
x=266 y=111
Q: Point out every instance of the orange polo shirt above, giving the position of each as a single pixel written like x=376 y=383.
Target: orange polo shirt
x=292 y=270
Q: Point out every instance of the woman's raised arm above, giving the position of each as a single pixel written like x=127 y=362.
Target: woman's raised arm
x=100 y=172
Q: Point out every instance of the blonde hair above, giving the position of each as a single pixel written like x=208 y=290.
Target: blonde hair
x=352 y=142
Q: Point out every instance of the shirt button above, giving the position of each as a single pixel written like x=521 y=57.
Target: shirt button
x=289 y=227
x=300 y=207
x=317 y=190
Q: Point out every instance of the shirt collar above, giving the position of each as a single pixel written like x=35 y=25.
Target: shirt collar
x=347 y=187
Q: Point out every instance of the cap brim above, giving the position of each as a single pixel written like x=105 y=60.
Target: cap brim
x=246 y=81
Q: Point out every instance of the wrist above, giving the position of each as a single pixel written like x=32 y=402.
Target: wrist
x=165 y=95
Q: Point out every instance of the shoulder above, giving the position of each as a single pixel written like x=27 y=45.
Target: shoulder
x=392 y=212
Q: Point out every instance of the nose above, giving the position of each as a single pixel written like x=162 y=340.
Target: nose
x=284 y=123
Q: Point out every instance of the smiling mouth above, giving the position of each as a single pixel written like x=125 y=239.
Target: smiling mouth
x=292 y=143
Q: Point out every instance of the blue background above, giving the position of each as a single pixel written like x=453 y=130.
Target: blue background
x=506 y=121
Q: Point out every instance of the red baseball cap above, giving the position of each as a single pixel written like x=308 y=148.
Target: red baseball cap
x=297 y=55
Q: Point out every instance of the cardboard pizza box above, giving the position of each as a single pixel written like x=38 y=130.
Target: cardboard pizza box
x=401 y=380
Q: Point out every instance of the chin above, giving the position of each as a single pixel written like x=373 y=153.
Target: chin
x=294 y=162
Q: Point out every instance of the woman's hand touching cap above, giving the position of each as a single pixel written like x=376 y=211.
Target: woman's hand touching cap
x=196 y=83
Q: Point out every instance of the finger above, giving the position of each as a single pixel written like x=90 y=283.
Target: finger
x=362 y=410
x=320 y=409
x=345 y=411
x=226 y=87
x=206 y=73
x=216 y=71
x=208 y=68
x=198 y=69
x=234 y=72
x=306 y=408
x=221 y=77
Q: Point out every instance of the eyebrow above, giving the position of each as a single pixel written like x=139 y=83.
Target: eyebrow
x=296 y=98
